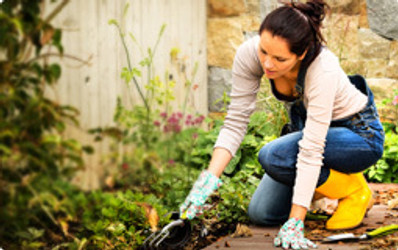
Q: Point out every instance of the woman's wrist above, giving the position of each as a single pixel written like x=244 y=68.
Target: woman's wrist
x=220 y=159
x=298 y=212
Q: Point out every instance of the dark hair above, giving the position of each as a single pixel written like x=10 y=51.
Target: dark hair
x=300 y=25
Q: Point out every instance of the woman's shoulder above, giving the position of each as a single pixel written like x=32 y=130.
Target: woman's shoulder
x=325 y=62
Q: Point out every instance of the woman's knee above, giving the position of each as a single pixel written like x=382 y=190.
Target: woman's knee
x=264 y=157
x=260 y=215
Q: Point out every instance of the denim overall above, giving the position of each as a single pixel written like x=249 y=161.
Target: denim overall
x=352 y=145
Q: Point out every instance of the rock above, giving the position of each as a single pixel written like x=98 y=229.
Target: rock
x=372 y=46
x=266 y=6
x=382 y=87
x=253 y=8
x=394 y=50
x=392 y=69
x=349 y=7
x=224 y=35
x=376 y=68
x=248 y=22
x=341 y=34
x=225 y=8
x=355 y=66
x=363 y=15
x=220 y=81
x=383 y=17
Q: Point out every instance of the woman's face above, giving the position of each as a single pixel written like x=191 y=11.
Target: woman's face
x=275 y=56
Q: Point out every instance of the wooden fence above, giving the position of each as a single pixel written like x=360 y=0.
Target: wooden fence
x=94 y=87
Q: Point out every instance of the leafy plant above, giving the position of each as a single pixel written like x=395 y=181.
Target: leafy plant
x=149 y=137
x=35 y=156
x=386 y=169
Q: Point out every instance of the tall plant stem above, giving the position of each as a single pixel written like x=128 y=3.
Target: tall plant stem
x=131 y=68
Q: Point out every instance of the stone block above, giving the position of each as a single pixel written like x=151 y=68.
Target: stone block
x=219 y=81
x=381 y=87
x=266 y=6
x=248 y=22
x=348 y=7
x=225 y=8
x=383 y=18
x=253 y=8
x=341 y=34
x=394 y=50
x=363 y=15
x=224 y=35
x=392 y=69
x=372 y=45
x=376 y=68
x=355 y=66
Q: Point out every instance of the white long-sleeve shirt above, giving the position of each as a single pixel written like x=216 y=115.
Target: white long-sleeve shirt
x=328 y=95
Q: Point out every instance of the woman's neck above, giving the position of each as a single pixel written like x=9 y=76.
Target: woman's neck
x=292 y=75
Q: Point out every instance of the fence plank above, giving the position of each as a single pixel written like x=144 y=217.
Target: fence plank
x=94 y=88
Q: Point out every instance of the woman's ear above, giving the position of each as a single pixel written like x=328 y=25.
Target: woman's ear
x=303 y=55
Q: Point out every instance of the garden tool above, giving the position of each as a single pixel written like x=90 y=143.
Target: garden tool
x=317 y=215
x=173 y=235
x=381 y=231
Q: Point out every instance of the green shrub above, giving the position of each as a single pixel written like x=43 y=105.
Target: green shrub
x=35 y=157
x=386 y=169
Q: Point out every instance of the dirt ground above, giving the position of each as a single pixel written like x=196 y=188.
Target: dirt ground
x=384 y=212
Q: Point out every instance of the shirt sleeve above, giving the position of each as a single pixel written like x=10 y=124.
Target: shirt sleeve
x=246 y=76
x=320 y=93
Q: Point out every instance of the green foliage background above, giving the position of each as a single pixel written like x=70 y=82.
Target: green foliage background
x=155 y=156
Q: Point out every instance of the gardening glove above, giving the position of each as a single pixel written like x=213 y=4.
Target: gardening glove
x=205 y=185
x=291 y=235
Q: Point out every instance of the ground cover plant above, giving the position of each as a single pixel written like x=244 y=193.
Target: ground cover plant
x=156 y=152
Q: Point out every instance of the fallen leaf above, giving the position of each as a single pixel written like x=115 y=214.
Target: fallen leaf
x=266 y=234
x=227 y=244
x=242 y=231
x=110 y=181
x=150 y=214
x=392 y=204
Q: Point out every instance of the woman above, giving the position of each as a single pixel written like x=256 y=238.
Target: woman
x=334 y=132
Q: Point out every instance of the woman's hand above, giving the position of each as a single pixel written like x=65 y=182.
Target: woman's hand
x=205 y=185
x=291 y=235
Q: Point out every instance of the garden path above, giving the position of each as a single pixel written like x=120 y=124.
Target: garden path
x=378 y=216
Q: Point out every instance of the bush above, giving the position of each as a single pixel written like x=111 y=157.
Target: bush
x=36 y=159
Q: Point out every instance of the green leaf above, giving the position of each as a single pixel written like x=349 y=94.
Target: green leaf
x=233 y=163
x=55 y=71
x=113 y=22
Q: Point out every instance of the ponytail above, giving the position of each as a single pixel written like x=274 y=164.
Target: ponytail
x=300 y=24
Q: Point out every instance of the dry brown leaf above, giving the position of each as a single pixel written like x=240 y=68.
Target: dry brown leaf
x=110 y=181
x=47 y=36
x=151 y=214
x=242 y=231
x=227 y=244
x=393 y=204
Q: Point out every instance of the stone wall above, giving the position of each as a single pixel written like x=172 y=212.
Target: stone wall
x=361 y=47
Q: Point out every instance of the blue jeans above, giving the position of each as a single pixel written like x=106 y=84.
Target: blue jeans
x=352 y=145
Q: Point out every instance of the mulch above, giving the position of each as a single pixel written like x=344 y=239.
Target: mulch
x=384 y=212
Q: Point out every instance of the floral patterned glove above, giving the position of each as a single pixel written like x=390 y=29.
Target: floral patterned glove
x=291 y=235
x=205 y=185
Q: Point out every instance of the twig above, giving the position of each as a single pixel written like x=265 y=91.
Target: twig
x=56 y=11
x=44 y=56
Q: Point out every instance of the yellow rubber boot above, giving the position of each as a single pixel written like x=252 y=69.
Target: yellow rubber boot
x=354 y=196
